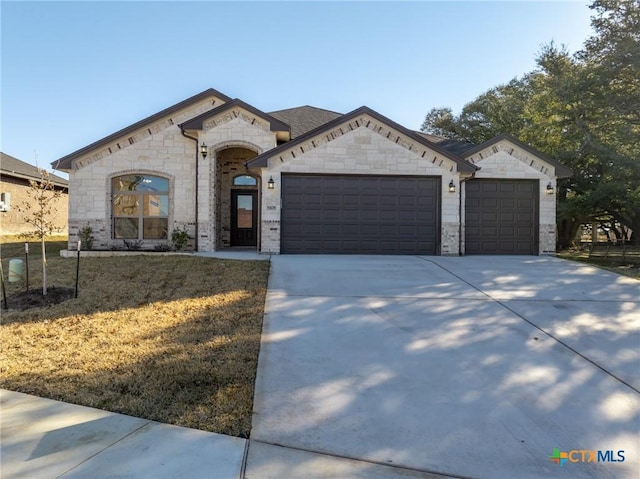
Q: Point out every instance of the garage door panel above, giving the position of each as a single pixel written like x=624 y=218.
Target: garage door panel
x=378 y=215
x=501 y=217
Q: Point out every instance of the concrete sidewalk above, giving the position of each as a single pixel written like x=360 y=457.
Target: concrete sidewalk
x=45 y=439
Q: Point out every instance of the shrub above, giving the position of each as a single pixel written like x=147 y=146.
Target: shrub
x=179 y=238
x=86 y=237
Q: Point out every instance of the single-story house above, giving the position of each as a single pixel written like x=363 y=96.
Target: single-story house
x=15 y=177
x=309 y=180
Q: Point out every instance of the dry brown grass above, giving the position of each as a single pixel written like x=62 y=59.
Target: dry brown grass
x=625 y=268
x=169 y=338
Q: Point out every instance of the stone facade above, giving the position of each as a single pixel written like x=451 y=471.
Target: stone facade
x=361 y=150
x=506 y=161
x=234 y=133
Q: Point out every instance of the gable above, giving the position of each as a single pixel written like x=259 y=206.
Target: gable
x=364 y=118
x=237 y=109
x=141 y=130
x=524 y=154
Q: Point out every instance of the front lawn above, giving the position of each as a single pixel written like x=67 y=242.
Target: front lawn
x=174 y=339
x=626 y=268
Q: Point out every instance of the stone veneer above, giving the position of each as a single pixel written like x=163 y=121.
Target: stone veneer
x=361 y=149
x=506 y=161
x=361 y=146
x=230 y=163
x=162 y=150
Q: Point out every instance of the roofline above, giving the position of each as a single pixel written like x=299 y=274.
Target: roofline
x=305 y=106
x=197 y=122
x=64 y=163
x=261 y=161
x=57 y=181
x=561 y=170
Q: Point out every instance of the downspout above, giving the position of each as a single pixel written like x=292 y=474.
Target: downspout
x=196 y=140
x=460 y=212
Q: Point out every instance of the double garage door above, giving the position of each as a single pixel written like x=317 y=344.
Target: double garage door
x=401 y=215
x=501 y=217
x=360 y=214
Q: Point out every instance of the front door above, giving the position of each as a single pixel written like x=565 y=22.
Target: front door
x=244 y=218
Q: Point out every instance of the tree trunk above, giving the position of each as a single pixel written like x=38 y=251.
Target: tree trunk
x=44 y=269
x=567 y=230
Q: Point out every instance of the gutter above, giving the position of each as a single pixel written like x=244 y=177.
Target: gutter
x=197 y=233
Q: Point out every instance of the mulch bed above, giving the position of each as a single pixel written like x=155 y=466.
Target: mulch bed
x=33 y=298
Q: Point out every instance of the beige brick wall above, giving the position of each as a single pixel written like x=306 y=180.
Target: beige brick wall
x=505 y=161
x=12 y=221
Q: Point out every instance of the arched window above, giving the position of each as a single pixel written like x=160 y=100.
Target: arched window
x=244 y=180
x=140 y=206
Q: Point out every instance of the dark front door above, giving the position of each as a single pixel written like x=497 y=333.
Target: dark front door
x=244 y=218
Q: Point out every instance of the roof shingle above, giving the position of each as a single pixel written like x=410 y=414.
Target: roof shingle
x=304 y=118
x=12 y=166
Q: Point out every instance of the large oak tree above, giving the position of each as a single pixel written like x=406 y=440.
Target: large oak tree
x=582 y=109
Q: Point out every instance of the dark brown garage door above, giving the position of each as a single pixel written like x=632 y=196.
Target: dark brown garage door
x=501 y=217
x=360 y=214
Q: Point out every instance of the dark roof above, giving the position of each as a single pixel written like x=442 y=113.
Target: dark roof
x=304 y=118
x=11 y=166
x=561 y=170
x=64 y=163
x=261 y=160
x=454 y=146
x=196 y=123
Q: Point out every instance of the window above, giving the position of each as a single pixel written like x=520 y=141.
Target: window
x=244 y=180
x=140 y=207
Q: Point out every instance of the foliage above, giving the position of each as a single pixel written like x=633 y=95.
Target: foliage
x=582 y=109
x=86 y=237
x=39 y=212
x=163 y=247
x=179 y=238
x=132 y=245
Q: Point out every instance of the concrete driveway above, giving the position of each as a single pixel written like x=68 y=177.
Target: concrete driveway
x=471 y=367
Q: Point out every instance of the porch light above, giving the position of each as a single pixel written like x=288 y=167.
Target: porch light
x=203 y=150
x=452 y=187
x=271 y=184
x=549 y=188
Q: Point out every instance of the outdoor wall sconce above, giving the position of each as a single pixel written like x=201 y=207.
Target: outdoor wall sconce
x=549 y=188
x=203 y=150
x=271 y=184
x=452 y=187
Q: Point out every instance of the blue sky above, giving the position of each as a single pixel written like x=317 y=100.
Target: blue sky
x=75 y=72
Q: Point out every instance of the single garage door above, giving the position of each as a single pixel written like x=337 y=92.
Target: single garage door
x=501 y=217
x=360 y=214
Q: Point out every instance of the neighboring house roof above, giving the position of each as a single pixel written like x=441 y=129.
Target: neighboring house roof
x=262 y=160
x=11 y=166
x=196 y=123
x=561 y=170
x=304 y=118
x=64 y=163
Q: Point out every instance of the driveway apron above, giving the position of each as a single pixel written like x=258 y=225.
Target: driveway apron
x=471 y=367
